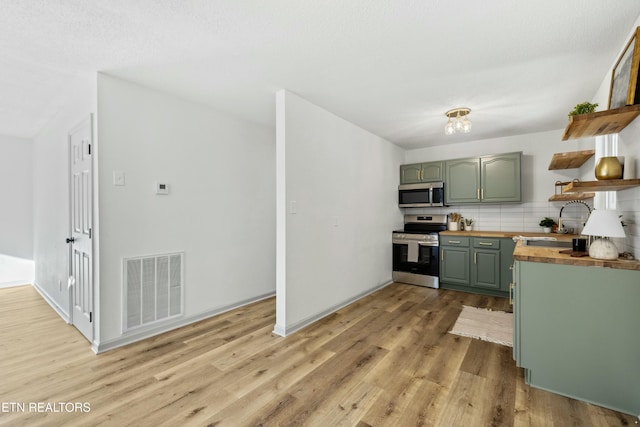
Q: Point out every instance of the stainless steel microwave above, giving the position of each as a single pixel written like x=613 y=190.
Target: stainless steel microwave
x=421 y=195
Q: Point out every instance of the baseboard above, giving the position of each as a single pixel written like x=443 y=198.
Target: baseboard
x=284 y=330
x=61 y=312
x=14 y=284
x=140 y=335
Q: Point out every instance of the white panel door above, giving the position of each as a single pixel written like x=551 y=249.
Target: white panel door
x=81 y=196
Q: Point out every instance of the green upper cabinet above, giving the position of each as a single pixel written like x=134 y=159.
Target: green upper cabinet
x=500 y=176
x=421 y=172
x=488 y=179
x=462 y=181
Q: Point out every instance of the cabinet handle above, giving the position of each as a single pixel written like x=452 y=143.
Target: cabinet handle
x=485 y=243
x=478 y=193
x=421 y=174
x=442 y=254
x=475 y=257
x=511 y=286
x=454 y=242
x=482 y=194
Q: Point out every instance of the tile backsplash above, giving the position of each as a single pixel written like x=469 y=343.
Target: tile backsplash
x=629 y=208
x=526 y=216
x=507 y=217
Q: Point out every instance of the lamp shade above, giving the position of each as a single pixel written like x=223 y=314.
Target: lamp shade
x=603 y=223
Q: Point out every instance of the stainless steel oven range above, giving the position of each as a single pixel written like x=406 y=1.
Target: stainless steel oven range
x=416 y=252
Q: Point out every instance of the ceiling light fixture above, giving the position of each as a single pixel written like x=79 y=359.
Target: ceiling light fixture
x=461 y=122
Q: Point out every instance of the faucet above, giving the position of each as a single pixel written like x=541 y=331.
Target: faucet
x=573 y=202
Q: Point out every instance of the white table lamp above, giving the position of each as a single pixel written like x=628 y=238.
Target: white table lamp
x=605 y=224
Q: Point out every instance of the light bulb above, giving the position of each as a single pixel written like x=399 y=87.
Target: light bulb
x=458 y=124
x=466 y=125
x=449 y=129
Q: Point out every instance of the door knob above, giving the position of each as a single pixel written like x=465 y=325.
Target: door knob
x=70 y=240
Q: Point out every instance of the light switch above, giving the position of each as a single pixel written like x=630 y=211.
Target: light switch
x=118 y=178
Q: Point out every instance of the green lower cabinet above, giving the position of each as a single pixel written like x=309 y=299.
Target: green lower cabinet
x=576 y=332
x=483 y=267
x=486 y=269
x=454 y=265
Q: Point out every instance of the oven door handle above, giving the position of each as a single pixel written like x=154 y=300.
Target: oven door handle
x=400 y=242
x=406 y=242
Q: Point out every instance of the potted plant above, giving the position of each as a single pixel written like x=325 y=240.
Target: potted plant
x=547 y=223
x=468 y=224
x=584 y=108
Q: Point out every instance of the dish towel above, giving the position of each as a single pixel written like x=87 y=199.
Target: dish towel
x=413 y=252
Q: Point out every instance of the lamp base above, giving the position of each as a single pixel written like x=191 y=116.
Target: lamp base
x=603 y=249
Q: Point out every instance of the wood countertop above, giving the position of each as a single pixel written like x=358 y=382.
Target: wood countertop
x=506 y=234
x=548 y=255
x=553 y=256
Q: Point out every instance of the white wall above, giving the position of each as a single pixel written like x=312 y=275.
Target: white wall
x=221 y=206
x=343 y=181
x=51 y=194
x=627 y=202
x=537 y=181
x=16 y=215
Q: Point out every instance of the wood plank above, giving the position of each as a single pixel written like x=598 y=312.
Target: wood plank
x=571 y=196
x=600 y=123
x=387 y=359
x=603 y=185
x=570 y=160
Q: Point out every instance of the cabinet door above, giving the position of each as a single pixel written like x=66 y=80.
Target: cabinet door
x=454 y=265
x=486 y=268
x=410 y=174
x=462 y=181
x=506 y=263
x=432 y=171
x=516 y=314
x=501 y=178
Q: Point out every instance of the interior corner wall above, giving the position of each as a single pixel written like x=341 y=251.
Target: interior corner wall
x=51 y=193
x=339 y=206
x=220 y=210
x=16 y=215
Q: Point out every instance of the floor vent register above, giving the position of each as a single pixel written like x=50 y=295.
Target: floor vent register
x=153 y=289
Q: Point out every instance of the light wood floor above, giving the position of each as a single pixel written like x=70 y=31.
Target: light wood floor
x=386 y=360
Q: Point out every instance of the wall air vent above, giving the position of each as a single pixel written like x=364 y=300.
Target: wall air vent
x=153 y=289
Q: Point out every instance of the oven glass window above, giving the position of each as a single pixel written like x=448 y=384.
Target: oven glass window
x=428 y=260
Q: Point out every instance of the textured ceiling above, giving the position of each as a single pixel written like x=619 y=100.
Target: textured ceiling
x=392 y=67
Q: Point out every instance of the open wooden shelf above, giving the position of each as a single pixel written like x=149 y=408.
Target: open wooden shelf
x=603 y=185
x=571 y=196
x=570 y=160
x=600 y=123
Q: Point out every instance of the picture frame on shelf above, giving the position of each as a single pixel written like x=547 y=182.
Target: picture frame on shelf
x=625 y=89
